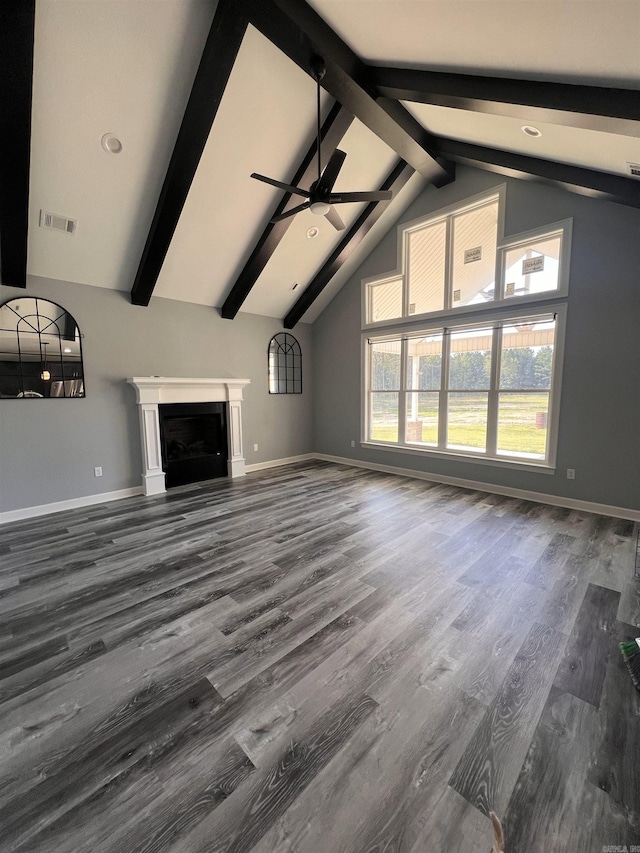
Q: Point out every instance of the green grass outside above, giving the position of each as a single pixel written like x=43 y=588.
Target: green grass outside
x=517 y=431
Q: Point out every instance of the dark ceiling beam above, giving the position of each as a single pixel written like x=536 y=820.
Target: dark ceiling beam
x=333 y=130
x=299 y=32
x=17 y=25
x=610 y=110
x=219 y=54
x=576 y=179
x=396 y=179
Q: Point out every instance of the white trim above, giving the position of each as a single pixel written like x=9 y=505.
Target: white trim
x=460 y=456
x=74 y=503
x=537 y=497
x=152 y=391
x=491 y=319
x=443 y=214
x=276 y=463
x=507 y=491
x=563 y=229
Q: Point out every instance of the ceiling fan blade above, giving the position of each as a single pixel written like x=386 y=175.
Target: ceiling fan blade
x=335 y=219
x=331 y=171
x=286 y=187
x=291 y=212
x=344 y=198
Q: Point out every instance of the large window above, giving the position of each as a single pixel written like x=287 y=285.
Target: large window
x=457 y=262
x=482 y=390
x=469 y=362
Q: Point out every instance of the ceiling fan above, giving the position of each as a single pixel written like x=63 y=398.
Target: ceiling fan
x=319 y=196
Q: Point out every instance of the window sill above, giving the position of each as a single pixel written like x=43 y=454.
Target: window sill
x=536 y=467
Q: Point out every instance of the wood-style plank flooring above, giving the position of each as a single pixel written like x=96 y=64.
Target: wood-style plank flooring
x=317 y=659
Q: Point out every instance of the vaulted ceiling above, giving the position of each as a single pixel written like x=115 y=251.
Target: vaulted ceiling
x=201 y=94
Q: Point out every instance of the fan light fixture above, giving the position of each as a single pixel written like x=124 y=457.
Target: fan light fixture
x=320 y=208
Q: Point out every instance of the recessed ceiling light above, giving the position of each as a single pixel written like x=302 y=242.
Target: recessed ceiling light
x=530 y=130
x=312 y=232
x=67 y=349
x=111 y=143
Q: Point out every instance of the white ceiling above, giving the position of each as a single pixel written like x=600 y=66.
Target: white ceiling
x=595 y=41
x=127 y=67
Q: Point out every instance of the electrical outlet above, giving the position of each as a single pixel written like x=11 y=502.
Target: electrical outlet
x=97 y=471
x=353 y=444
x=255 y=448
x=571 y=473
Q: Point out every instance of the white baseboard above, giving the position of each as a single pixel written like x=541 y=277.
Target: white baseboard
x=275 y=463
x=537 y=497
x=507 y=491
x=74 y=503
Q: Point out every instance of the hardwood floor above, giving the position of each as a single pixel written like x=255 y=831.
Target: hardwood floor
x=317 y=659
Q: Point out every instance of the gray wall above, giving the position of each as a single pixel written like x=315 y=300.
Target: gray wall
x=600 y=408
x=49 y=448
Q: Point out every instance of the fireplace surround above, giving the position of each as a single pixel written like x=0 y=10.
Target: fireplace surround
x=153 y=391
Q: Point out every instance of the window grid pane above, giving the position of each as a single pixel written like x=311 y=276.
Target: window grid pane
x=526 y=359
x=385 y=366
x=422 y=415
x=467 y=420
x=384 y=416
x=532 y=267
x=426 y=265
x=386 y=300
x=424 y=363
x=470 y=359
x=523 y=424
x=475 y=235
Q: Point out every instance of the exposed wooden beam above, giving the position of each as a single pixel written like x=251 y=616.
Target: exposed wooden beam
x=299 y=32
x=221 y=48
x=17 y=25
x=396 y=179
x=600 y=108
x=334 y=128
x=576 y=179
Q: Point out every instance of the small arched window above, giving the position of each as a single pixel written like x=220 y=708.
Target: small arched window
x=40 y=350
x=285 y=365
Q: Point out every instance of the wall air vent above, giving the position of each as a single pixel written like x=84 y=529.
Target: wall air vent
x=634 y=169
x=57 y=222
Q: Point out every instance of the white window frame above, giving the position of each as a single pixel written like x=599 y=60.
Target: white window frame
x=501 y=309
x=403 y=231
x=495 y=318
x=562 y=229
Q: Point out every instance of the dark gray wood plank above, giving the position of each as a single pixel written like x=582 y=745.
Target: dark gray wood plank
x=544 y=571
x=303 y=589
x=270 y=792
x=489 y=768
x=615 y=768
x=553 y=798
x=591 y=644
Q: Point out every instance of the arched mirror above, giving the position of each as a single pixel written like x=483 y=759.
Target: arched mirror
x=285 y=365
x=40 y=350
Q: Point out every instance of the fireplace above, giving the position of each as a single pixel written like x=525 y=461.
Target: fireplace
x=156 y=392
x=193 y=441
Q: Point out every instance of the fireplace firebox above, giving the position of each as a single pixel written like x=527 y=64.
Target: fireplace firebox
x=193 y=438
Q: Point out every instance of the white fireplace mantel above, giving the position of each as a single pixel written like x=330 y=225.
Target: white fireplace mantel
x=151 y=391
